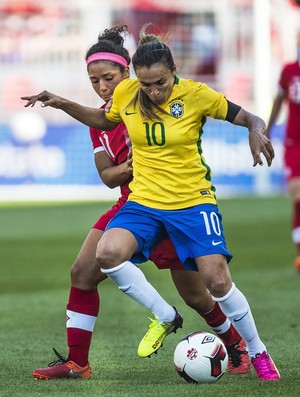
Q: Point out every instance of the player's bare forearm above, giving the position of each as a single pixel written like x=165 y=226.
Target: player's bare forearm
x=113 y=175
x=250 y=121
x=258 y=141
x=91 y=117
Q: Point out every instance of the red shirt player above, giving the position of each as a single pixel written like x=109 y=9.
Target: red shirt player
x=117 y=146
x=289 y=92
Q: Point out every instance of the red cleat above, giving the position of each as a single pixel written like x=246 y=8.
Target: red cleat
x=238 y=358
x=62 y=368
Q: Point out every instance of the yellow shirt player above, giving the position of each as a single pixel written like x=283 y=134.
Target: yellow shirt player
x=171 y=180
x=170 y=171
x=172 y=190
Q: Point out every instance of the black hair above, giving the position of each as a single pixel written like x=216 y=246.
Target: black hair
x=112 y=40
x=151 y=50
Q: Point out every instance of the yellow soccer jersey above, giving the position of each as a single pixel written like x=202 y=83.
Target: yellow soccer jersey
x=169 y=171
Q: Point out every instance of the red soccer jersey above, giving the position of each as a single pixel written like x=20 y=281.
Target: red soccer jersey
x=290 y=83
x=117 y=144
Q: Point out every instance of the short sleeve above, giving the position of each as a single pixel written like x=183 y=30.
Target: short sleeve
x=114 y=112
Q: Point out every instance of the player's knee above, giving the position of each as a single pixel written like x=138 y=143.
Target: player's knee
x=106 y=256
x=86 y=275
x=112 y=250
x=218 y=286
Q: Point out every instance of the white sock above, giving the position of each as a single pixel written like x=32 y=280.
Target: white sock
x=132 y=281
x=235 y=306
x=296 y=235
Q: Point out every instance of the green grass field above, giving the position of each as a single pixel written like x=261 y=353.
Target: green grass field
x=38 y=244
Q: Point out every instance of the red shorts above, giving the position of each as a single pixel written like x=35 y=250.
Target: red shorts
x=292 y=161
x=105 y=218
x=164 y=255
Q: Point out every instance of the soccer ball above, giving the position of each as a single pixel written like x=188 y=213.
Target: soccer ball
x=201 y=357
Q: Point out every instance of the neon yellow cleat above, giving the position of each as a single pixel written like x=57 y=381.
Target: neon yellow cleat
x=156 y=334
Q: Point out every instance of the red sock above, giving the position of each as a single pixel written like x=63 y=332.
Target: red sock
x=220 y=324
x=82 y=312
x=296 y=225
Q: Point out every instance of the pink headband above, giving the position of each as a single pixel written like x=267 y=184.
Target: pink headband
x=107 y=56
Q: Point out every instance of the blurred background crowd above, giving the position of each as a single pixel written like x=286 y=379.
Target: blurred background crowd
x=236 y=46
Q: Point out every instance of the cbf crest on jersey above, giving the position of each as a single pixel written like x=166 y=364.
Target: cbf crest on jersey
x=176 y=109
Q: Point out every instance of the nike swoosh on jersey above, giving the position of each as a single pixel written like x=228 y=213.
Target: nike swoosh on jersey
x=216 y=242
x=129 y=113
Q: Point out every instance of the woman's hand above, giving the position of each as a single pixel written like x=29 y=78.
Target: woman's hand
x=46 y=98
